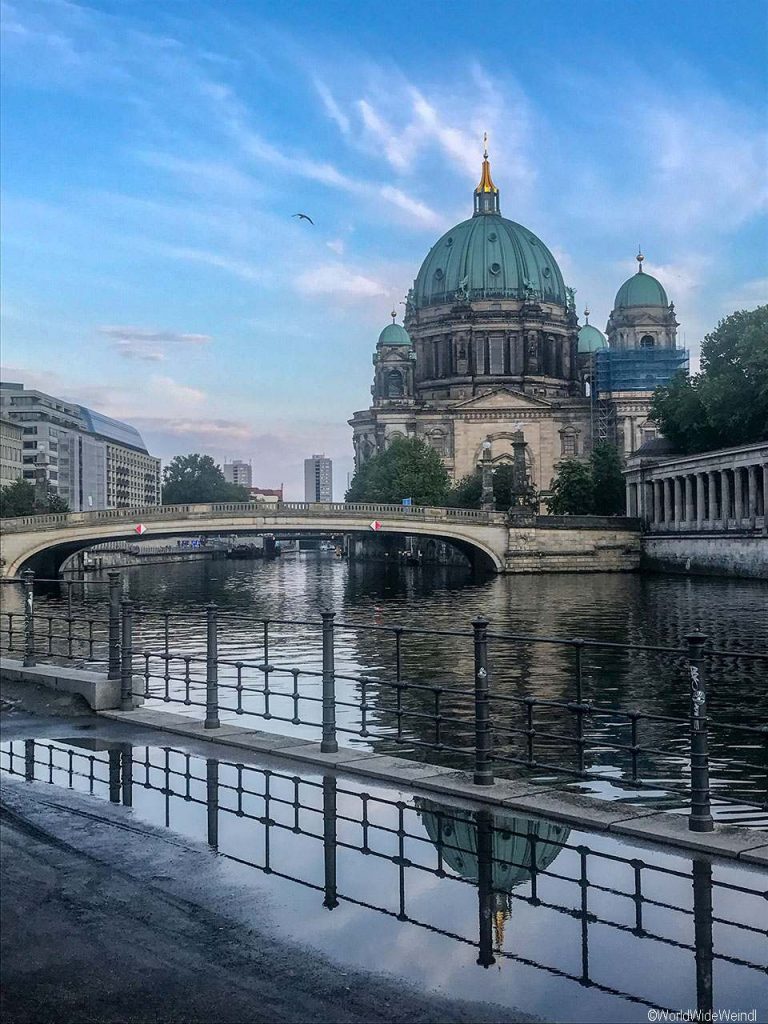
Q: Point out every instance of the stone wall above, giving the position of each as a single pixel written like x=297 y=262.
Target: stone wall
x=714 y=555
x=572 y=550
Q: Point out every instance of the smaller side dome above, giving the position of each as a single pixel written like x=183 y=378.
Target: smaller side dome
x=590 y=339
x=641 y=290
x=394 y=334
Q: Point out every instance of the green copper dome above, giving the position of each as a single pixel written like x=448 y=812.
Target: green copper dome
x=394 y=334
x=641 y=290
x=591 y=339
x=487 y=257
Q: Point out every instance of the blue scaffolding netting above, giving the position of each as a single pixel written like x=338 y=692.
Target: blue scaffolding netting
x=641 y=369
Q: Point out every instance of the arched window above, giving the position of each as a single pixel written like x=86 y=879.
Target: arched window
x=394 y=384
x=647 y=341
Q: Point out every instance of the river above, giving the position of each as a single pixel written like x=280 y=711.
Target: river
x=621 y=609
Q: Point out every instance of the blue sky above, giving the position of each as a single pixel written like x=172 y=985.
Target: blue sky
x=155 y=150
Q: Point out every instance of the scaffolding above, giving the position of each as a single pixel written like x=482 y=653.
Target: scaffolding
x=637 y=369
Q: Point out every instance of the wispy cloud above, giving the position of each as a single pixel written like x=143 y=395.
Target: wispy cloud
x=340 y=281
x=151 y=345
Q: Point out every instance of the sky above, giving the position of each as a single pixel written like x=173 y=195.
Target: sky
x=154 y=152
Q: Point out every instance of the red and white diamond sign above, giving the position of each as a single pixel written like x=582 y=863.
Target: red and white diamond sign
x=141 y=528
x=375 y=525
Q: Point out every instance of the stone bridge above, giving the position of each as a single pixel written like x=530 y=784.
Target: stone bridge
x=501 y=543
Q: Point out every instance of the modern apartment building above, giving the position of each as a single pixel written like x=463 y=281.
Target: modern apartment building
x=90 y=460
x=11 y=448
x=238 y=472
x=318 y=479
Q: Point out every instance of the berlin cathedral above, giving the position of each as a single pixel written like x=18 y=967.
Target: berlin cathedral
x=491 y=346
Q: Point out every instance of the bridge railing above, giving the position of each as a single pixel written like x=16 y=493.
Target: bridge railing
x=467 y=710
x=154 y=513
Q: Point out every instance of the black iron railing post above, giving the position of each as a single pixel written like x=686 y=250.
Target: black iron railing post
x=700 y=818
x=483 y=734
x=329 y=744
x=211 y=669
x=329 y=842
x=28 y=578
x=126 y=655
x=212 y=800
x=484 y=825
x=113 y=633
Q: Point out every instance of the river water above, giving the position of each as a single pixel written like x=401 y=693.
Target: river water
x=621 y=609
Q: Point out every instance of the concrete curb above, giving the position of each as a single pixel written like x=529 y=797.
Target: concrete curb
x=728 y=841
x=100 y=693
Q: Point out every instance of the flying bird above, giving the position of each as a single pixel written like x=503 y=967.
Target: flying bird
x=304 y=216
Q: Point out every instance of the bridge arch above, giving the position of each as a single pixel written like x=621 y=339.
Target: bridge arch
x=46 y=541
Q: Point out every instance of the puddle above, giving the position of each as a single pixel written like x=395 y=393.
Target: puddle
x=508 y=909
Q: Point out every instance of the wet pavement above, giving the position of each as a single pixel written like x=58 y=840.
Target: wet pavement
x=437 y=904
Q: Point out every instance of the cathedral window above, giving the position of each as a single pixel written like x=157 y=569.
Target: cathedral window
x=394 y=385
x=569 y=446
x=647 y=341
x=496 y=355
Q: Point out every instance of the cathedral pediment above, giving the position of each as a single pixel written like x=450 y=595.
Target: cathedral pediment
x=501 y=398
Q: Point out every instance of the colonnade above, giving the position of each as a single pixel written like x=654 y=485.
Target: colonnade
x=679 y=495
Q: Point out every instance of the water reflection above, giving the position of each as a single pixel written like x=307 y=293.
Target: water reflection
x=504 y=889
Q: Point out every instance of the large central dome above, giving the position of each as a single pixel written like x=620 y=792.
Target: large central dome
x=488 y=257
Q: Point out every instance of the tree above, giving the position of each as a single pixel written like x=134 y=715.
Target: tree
x=19 y=499
x=572 y=489
x=727 y=402
x=608 y=489
x=593 y=488
x=197 y=478
x=409 y=468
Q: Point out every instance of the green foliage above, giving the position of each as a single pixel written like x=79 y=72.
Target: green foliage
x=18 y=499
x=727 y=402
x=468 y=491
x=594 y=488
x=197 y=478
x=409 y=468
x=608 y=488
x=572 y=490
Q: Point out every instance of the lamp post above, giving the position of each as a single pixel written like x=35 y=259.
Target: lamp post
x=487 y=501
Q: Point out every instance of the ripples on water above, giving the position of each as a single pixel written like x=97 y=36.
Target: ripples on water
x=627 y=608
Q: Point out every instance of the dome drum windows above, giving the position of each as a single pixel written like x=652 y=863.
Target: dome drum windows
x=647 y=341
x=394 y=385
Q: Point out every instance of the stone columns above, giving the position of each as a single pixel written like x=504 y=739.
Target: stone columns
x=738 y=496
x=700 y=500
x=669 y=502
x=752 y=493
x=725 y=497
x=656 y=511
x=688 y=481
x=765 y=498
x=677 y=491
x=712 y=488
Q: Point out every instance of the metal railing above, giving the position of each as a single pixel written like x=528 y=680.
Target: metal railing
x=486 y=866
x=246 y=667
